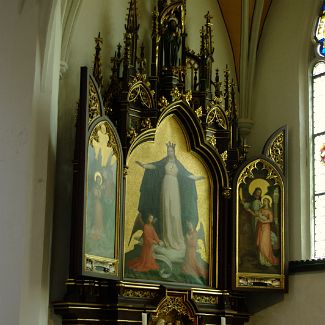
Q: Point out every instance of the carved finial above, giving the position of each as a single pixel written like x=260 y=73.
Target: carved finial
x=132 y=25
x=217 y=84
x=226 y=88
x=132 y=28
x=208 y=18
x=97 y=70
x=142 y=61
x=206 y=37
x=202 y=35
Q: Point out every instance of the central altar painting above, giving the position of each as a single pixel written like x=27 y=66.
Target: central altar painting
x=167 y=210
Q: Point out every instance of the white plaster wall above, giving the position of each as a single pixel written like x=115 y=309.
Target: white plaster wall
x=303 y=305
x=28 y=104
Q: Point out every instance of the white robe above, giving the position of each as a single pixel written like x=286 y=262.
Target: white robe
x=172 y=231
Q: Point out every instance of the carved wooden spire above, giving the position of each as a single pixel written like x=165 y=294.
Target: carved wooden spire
x=131 y=28
x=97 y=70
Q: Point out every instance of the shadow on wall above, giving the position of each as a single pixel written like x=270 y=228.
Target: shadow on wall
x=259 y=301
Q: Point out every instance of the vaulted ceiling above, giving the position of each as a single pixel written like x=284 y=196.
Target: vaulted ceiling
x=232 y=15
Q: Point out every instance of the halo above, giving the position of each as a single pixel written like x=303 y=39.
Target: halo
x=267 y=197
x=98 y=174
x=105 y=124
x=258 y=182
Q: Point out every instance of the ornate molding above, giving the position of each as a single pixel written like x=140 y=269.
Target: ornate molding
x=259 y=164
x=93 y=103
x=206 y=299
x=138 y=293
x=276 y=150
x=173 y=303
x=140 y=89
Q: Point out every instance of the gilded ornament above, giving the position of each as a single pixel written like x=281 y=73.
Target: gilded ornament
x=216 y=101
x=226 y=192
x=93 y=102
x=224 y=155
x=173 y=303
x=276 y=150
x=132 y=134
x=162 y=103
x=188 y=96
x=199 y=112
x=216 y=115
x=176 y=94
x=248 y=172
x=146 y=124
x=206 y=299
x=213 y=140
x=138 y=91
x=138 y=293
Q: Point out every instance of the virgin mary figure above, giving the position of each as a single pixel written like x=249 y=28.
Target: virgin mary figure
x=168 y=192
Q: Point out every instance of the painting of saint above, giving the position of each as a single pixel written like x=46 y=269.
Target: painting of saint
x=169 y=197
x=263 y=233
x=168 y=191
x=101 y=194
x=259 y=228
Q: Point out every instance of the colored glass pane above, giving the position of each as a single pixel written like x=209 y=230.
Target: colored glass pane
x=319 y=102
x=318 y=136
x=320 y=32
x=319 y=166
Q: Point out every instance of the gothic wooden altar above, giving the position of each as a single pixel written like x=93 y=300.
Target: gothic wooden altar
x=171 y=222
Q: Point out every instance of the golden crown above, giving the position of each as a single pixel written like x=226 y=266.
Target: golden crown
x=171 y=145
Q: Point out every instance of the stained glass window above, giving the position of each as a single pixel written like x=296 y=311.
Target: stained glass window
x=318 y=138
x=320 y=32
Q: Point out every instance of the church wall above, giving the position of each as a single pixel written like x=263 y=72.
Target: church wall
x=303 y=304
x=28 y=100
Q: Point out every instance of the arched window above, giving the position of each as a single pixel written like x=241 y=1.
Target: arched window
x=318 y=145
x=318 y=139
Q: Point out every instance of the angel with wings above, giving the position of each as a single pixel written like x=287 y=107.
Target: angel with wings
x=191 y=264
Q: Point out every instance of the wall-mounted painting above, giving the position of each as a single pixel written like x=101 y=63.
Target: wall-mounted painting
x=102 y=201
x=260 y=213
x=167 y=210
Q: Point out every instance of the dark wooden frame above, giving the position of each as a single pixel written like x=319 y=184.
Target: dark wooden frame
x=87 y=120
